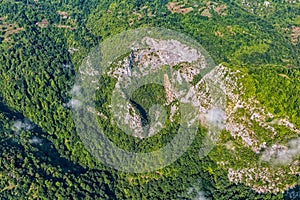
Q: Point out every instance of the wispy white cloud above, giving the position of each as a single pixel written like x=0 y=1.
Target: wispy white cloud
x=216 y=117
x=19 y=125
x=73 y=103
x=35 y=140
x=282 y=155
x=201 y=196
x=75 y=90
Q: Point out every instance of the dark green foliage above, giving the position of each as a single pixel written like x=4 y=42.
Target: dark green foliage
x=38 y=67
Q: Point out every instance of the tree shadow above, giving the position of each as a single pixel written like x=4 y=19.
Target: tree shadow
x=43 y=151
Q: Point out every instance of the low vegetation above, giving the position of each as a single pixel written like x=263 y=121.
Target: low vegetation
x=42 y=45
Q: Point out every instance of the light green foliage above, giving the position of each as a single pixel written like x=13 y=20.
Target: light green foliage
x=37 y=70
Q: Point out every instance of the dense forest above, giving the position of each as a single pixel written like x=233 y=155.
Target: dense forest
x=42 y=45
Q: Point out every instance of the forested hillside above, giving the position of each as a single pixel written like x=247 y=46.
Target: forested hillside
x=43 y=44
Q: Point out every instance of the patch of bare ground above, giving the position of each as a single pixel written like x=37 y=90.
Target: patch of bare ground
x=138 y=14
x=295 y=34
x=14 y=31
x=284 y=76
x=3 y=18
x=9 y=29
x=65 y=27
x=206 y=13
x=220 y=9
x=219 y=34
x=168 y=90
x=269 y=181
x=231 y=30
x=72 y=50
x=63 y=14
x=43 y=24
x=176 y=7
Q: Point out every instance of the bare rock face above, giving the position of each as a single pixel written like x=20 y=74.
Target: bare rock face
x=281 y=159
x=220 y=101
x=147 y=61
